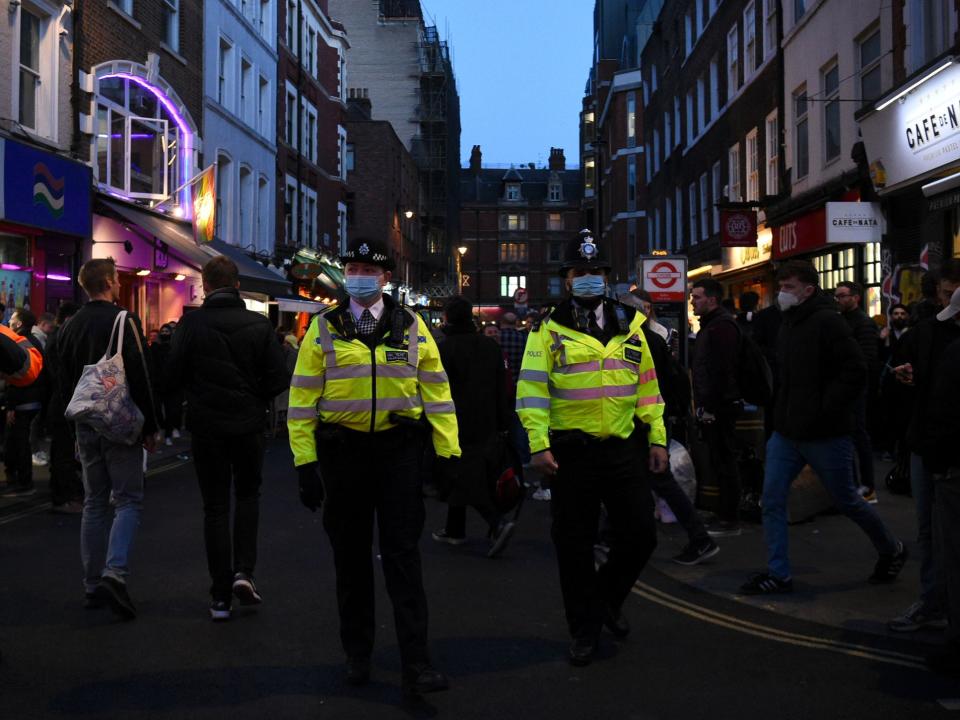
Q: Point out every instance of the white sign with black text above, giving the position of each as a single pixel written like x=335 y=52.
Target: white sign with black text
x=854 y=222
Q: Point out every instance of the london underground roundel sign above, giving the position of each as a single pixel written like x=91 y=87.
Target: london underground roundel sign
x=665 y=278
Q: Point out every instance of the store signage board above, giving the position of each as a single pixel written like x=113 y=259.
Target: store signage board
x=854 y=223
x=805 y=234
x=44 y=190
x=665 y=278
x=739 y=228
x=914 y=137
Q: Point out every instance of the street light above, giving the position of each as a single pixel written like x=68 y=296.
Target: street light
x=408 y=214
x=461 y=251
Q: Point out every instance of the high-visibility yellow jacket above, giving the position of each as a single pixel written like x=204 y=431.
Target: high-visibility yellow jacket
x=342 y=381
x=32 y=363
x=570 y=381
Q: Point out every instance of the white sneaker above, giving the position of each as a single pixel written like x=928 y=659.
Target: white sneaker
x=176 y=434
x=541 y=494
x=168 y=442
x=40 y=458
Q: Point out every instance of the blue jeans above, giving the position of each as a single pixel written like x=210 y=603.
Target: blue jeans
x=832 y=460
x=112 y=475
x=931 y=565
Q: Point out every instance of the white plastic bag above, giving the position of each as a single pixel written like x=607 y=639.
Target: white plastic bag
x=102 y=398
x=681 y=465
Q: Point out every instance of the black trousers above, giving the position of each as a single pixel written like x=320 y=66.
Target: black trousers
x=947 y=508
x=666 y=486
x=65 y=483
x=721 y=439
x=17 y=452
x=221 y=462
x=367 y=476
x=612 y=472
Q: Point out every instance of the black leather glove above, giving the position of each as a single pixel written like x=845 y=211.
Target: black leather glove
x=311 y=486
x=446 y=474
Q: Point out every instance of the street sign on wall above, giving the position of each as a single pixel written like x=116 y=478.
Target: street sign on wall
x=665 y=278
x=739 y=228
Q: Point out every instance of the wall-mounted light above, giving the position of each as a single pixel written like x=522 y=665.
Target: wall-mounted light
x=179 y=277
x=143 y=272
x=947 y=62
x=408 y=214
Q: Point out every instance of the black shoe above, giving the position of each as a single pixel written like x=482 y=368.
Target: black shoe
x=724 y=528
x=358 y=671
x=92 y=602
x=220 y=611
x=422 y=679
x=889 y=566
x=244 y=589
x=766 y=584
x=697 y=552
x=501 y=537
x=582 y=651
x=112 y=592
x=616 y=623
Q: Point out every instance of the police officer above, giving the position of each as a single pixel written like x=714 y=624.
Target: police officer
x=367 y=372
x=589 y=400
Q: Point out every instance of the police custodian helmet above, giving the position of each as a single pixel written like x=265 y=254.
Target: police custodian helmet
x=364 y=250
x=584 y=252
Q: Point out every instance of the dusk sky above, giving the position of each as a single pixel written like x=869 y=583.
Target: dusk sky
x=521 y=67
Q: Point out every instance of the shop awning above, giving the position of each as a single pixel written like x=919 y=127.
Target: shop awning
x=295 y=303
x=178 y=236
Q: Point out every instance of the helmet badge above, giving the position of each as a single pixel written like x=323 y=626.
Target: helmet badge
x=588 y=248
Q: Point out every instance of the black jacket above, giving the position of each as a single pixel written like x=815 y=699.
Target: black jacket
x=83 y=341
x=715 y=354
x=867 y=335
x=36 y=394
x=944 y=412
x=673 y=381
x=822 y=372
x=230 y=364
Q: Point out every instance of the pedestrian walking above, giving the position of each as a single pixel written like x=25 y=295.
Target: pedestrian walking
x=717 y=398
x=477 y=373
x=749 y=301
x=589 y=400
x=169 y=398
x=367 y=372
x=227 y=361
x=112 y=471
x=821 y=378
x=895 y=398
x=923 y=351
x=513 y=341
x=865 y=331
x=44 y=326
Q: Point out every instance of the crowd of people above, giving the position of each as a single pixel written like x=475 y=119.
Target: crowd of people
x=585 y=400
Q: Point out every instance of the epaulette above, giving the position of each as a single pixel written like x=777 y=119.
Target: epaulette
x=542 y=317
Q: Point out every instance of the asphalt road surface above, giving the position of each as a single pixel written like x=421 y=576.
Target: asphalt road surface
x=496 y=628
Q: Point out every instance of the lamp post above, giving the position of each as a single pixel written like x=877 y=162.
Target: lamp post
x=461 y=251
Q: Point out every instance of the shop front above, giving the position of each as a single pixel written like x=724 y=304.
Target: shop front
x=44 y=219
x=748 y=269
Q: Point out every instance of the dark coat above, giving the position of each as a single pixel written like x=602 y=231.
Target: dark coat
x=230 y=364
x=83 y=341
x=478 y=373
x=715 y=356
x=822 y=372
x=867 y=335
x=673 y=382
x=944 y=413
x=36 y=394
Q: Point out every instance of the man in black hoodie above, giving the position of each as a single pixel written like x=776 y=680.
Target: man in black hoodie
x=821 y=377
x=230 y=364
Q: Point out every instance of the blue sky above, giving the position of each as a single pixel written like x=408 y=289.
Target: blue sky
x=521 y=67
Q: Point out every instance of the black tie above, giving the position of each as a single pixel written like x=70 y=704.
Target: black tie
x=594 y=327
x=366 y=324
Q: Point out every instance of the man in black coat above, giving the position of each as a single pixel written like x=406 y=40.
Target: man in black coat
x=477 y=372
x=821 y=378
x=230 y=364
x=849 y=296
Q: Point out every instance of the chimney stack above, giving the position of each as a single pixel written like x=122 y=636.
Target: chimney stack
x=475 y=157
x=557 y=161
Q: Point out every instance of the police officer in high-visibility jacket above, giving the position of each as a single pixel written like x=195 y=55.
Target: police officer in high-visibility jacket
x=589 y=401
x=367 y=373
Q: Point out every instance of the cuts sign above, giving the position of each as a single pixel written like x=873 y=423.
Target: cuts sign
x=665 y=278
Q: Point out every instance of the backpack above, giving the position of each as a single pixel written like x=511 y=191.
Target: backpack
x=102 y=397
x=754 y=376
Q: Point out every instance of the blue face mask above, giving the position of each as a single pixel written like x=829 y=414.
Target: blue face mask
x=362 y=287
x=588 y=286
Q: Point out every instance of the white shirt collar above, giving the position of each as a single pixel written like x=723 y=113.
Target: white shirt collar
x=356 y=309
x=600 y=315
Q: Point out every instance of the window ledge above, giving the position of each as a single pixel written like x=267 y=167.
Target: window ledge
x=123 y=13
x=173 y=53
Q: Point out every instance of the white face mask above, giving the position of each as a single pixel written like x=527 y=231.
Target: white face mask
x=787 y=300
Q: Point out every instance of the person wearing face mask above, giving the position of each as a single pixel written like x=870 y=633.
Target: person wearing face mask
x=589 y=400
x=822 y=374
x=368 y=386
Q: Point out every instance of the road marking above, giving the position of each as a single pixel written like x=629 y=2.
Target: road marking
x=43 y=507
x=763 y=631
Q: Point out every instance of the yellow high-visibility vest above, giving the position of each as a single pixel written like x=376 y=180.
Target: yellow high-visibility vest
x=341 y=381
x=570 y=381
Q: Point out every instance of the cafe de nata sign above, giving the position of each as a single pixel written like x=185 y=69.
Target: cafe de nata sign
x=913 y=137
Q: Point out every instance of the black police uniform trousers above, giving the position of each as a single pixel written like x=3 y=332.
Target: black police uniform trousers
x=369 y=475
x=591 y=472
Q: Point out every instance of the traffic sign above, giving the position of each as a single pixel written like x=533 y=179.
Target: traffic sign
x=665 y=278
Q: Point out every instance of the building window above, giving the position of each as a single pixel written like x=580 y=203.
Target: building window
x=588 y=128
x=733 y=62
x=292 y=25
x=351 y=157
x=554 y=221
x=667 y=135
x=688 y=34
x=263 y=213
x=704 y=208
x=753 y=166
x=555 y=287
x=716 y=182
x=223 y=72
x=836 y=267
x=931 y=26
x=870 y=83
x=290 y=196
x=632 y=183
x=126 y=6
x=648 y=154
x=677 y=137
x=513 y=221
x=246 y=207
x=555 y=192
x=749 y=40
x=631 y=119
x=29 y=68
x=310 y=218
x=291 y=132
x=733 y=173
x=691 y=128
x=513 y=252
x=513 y=191
x=311 y=49
x=263 y=105
x=555 y=251
x=246 y=90
x=715 y=88
x=831 y=113
x=773 y=153
x=656 y=152
x=678 y=209
x=225 y=201
x=769 y=27
x=509 y=284
x=668 y=224
x=170 y=10
x=263 y=18
x=589 y=172
x=802 y=140
x=657 y=238
x=310 y=130
x=692 y=212
x=799 y=8
x=701 y=103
